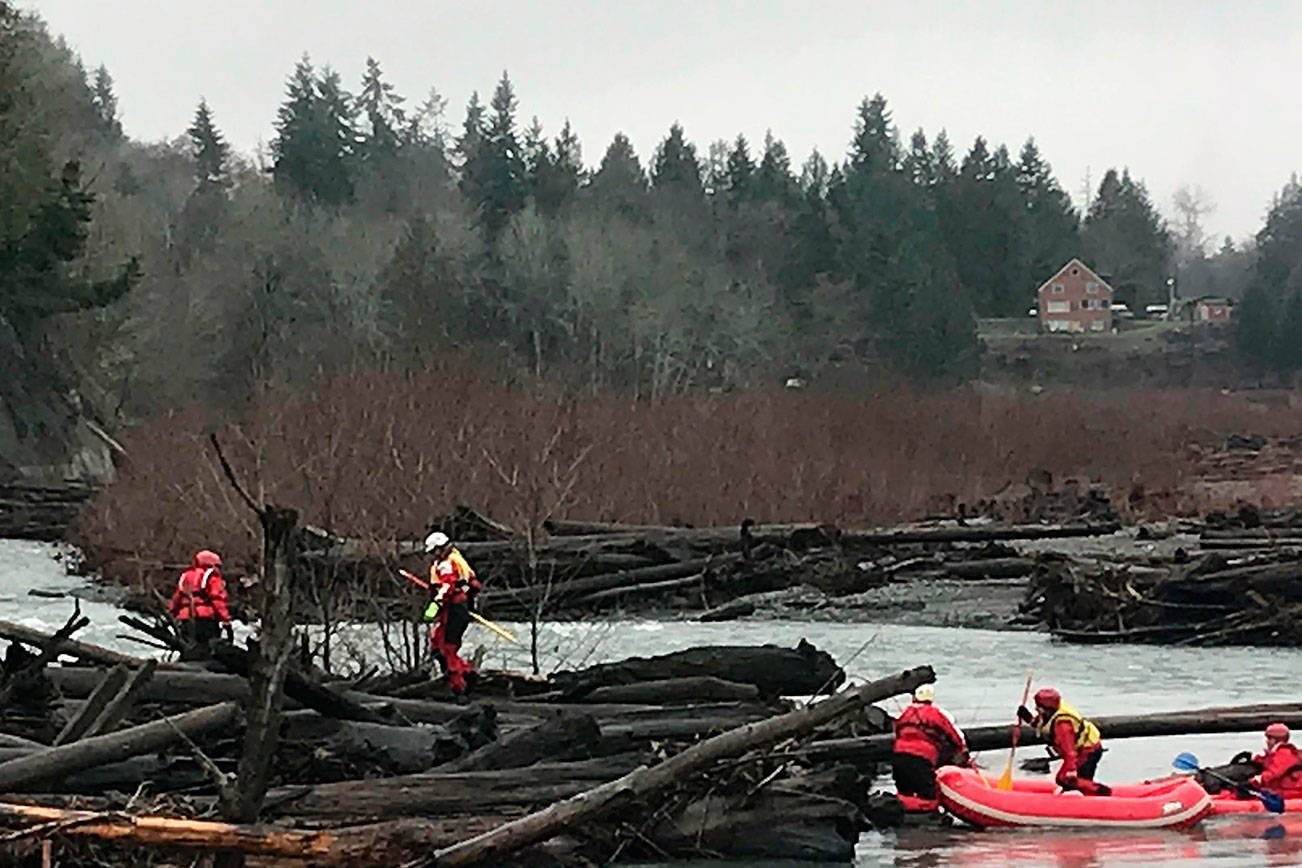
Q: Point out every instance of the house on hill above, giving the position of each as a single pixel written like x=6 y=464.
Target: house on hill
x=1075 y=300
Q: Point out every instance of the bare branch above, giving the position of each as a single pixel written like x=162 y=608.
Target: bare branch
x=230 y=475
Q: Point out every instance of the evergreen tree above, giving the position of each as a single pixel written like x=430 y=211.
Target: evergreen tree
x=985 y=231
x=1254 y=328
x=741 y=170
x=619 y=182
x=1126 y=241
x=918 y=162
x=907 y=302
x=557 y=172
x=502 y=185
x=36 y=280
x=208 y=148
x=471 y=153
x=942 y=159
x=315 y=145
x=1279 y=244
x=106 y=104
x=773 y=179
x=675 y=167
x=380 y=104
x=1052 y=235
x=875 y=147
x=1287 y=354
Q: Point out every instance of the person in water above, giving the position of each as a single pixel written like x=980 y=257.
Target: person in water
x=1069 y=736
x=925 y=737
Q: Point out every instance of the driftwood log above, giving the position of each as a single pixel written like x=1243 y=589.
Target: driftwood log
x=799 y=671
x=1247 y=718
x=15 y=774
x=71 y=647
x=645 y=783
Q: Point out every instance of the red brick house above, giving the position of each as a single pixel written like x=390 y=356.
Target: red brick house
x=1075 y=300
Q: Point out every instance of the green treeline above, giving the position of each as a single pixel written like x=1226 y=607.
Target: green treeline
x=375 y=230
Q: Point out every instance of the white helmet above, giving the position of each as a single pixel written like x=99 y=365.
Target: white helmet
x=435 y=541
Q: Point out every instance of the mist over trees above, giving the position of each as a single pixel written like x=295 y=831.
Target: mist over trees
x=380 y=230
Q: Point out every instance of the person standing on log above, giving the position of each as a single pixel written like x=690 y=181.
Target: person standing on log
x=1069 y=736
x=453 y=586
x=1280 y=763
x=925 y=737
x=199 y=600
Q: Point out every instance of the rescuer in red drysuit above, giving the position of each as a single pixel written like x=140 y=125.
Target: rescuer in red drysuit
x=1069 y=736
x=1281 y=764
x=199 y=600
x=925 y=737
x=454 y=587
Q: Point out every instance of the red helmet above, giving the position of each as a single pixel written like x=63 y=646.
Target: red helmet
x=1277 y=730
x=1047 y=697
x=207 y=558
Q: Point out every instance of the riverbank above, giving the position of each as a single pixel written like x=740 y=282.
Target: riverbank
x=979 y=676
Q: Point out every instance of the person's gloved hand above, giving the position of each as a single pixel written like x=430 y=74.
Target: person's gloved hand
x=229 y=630
x=1024 y=714
x=1242 y=791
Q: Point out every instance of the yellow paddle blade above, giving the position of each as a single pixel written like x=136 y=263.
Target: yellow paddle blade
x=501 y=631
x=1005 y=781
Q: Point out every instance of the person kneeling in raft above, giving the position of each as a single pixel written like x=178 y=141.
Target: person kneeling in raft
x=1069 y=736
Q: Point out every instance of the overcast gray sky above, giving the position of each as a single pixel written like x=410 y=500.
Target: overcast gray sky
x=1181 y=91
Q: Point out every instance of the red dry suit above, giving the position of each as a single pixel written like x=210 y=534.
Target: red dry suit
x=1281 y=771
x=453 y=583
x=200 y=592
x=923 y=730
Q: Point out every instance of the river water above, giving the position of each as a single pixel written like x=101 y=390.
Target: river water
x=979 y=680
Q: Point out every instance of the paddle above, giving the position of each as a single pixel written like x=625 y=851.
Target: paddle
x=1005 y=781
x=496 y=628
x=1273 y=802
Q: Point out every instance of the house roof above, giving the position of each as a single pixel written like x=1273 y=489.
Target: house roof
x=1074 y=262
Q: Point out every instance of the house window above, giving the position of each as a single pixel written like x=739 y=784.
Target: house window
x=1057 y=289
x=1057 y=307
x=1091 y=287
x=1096 y=326
x=1104 y=303
x=1075 y=271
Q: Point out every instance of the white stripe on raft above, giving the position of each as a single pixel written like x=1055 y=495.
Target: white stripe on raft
x=983 y=810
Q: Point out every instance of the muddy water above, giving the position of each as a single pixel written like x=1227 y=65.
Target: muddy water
x=980 y=676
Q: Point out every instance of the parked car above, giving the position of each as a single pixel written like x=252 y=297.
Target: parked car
x=1035 y=311
x=1121 y=310
x=1156 y=311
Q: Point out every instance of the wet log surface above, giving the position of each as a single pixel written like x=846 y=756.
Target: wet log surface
x=1245 y=718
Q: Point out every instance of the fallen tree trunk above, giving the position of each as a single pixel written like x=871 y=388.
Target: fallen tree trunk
x=564 y=737
x=979 y=534
x=628 y=578
x=101 y=696
x=798 y=671
x=701 y=688
x=306 y=692
x=436 y=793
x=71 y=647
x=121 y=704
x=1247 y=718
x=181 y=687
x=644 y=783
x=387 y=843
x=64 y=759
x=695 y=580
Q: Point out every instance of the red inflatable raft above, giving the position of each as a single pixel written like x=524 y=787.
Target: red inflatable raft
x=1225 y=802
x=974 y=798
